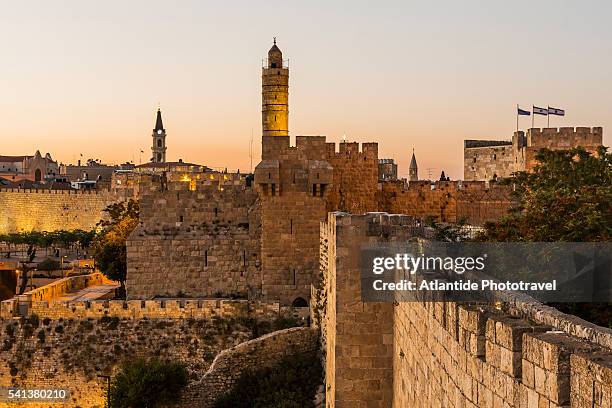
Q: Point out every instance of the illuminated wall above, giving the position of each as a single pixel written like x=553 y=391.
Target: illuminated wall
x=49 y=210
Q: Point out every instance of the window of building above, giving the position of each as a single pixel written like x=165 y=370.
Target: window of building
x=299 y=302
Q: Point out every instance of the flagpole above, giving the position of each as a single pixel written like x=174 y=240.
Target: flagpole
x=532 y=116
x=548 y=117
x=517 y=115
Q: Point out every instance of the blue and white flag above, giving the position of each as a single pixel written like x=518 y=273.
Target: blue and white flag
x=540 y=111
x=522 y=112
x=555 y=111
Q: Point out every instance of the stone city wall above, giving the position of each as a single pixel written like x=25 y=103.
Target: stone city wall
x=50 y=210
x=355 y=181
x=446 y=201
x=558 y=139
x=70 y=352
x=484 y=159
x=262 y=352
x=357 y=336
x=138 y=309
x=443 y=354
x=460 y=356
x=293 y=185
x=65 y=285
x=488 y=162
x=207 y=240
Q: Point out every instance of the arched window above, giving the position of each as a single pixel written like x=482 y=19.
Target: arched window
x=37 y=175
x=299 y=302
x=159 y=143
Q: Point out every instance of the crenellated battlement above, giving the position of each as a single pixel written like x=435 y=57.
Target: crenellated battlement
x=138 y=309
x=564 y=137
x=352 y=150
x=565 y=131
x=306 y=148
x=51 y=191
x=537 y=363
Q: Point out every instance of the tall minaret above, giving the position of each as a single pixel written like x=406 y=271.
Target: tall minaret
x=275 y=94
x=159 y=140
x=413 y=170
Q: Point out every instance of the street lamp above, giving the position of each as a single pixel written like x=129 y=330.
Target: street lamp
x=108 y=382
x=62 y=264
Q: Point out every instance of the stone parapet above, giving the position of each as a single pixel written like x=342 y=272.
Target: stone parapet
x=261 y=352
x=138 y=309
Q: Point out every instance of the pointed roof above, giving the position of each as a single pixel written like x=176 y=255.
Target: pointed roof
x=413 y=163
x=158 y=123
x=275 y=48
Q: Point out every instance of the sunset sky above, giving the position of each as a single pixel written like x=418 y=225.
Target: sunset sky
x=85 y=77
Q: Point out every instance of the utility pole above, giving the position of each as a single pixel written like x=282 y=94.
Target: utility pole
x=429 y=172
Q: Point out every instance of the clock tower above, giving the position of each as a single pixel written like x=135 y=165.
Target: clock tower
x=159 y=140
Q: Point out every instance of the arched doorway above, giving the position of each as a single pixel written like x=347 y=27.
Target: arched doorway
x=37 y=175
x=299 y=302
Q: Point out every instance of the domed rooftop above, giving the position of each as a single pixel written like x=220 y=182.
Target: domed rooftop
x=274 y=49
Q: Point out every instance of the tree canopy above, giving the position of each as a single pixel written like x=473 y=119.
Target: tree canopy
x=109 y=246
x=147 y=384
x=567 y=197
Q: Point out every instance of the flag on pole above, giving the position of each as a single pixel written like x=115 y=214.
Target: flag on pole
x=555 y=111
x=540 y=111
x=522 y=112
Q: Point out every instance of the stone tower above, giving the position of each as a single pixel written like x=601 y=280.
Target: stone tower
x=159 y=140
x=413 y=171
x=275 y=94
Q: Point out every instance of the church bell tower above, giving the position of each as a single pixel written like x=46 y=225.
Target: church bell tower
x=413 y=170
x=159 y=140
x=275 y=94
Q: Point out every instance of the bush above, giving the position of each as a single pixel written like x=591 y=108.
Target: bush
x=48 y=264
x=28 y=330
x=292 y=383
x=34 y=320
x=151 y=384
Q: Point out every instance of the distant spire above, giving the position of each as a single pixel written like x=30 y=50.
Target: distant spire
x=158 y=122
x=413 y=163
x=274 y=40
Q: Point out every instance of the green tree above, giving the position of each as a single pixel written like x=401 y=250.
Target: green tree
x=147 y=384
x=568 y=197
x=109 y=245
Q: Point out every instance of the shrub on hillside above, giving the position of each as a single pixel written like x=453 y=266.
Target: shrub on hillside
x=292 y=383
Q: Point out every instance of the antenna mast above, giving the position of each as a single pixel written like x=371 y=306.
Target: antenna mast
x=251 y=150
